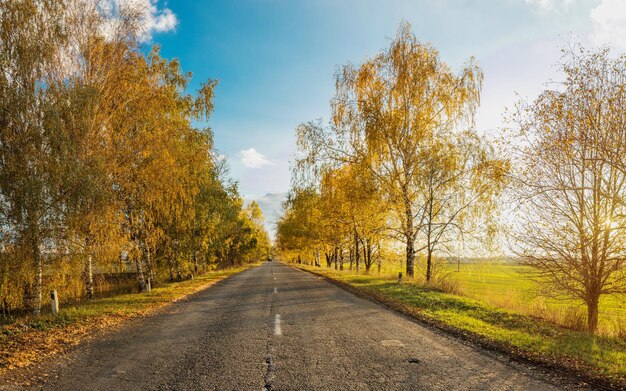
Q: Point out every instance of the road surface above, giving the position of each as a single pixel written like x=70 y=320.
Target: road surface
x=274 y=327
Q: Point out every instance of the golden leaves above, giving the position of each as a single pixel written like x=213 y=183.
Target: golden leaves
x=396 y=158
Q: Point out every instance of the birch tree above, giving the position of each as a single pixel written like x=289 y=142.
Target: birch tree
x=385 y=113
x=31 y=34
x=458 y=186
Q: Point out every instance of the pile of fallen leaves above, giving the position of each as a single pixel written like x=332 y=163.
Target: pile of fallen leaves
x=22 y=344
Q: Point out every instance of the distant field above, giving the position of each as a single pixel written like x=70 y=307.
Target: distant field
x=508 y=285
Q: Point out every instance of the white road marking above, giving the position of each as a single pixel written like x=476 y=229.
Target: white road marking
x=275 y=290
x=277 y=329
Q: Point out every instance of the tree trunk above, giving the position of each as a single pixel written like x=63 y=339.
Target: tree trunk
x=592 y=313
x=38 y=261
x=408 y=234
x=89 y=278
x=429 y=258
x=38 y=284
x=429 y=243
x=368 y=255
x=351 y=258
x=357 y=255
x=363 y=243
x=149 y=280
x=140 y=276
x=335 y=256
x=340 y=259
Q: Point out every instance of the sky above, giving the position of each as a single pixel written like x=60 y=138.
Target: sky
x=275 y=60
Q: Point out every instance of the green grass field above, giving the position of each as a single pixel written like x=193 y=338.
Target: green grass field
x=509 y=286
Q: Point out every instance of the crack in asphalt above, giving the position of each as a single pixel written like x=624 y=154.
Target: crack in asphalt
x=269 y=373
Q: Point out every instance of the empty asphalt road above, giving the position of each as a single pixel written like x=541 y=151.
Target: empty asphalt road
x=274 y=327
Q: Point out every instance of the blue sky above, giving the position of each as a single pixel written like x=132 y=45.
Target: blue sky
x=275 y=60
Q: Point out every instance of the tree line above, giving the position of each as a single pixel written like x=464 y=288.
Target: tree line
x=101 y=163
x=401 y=167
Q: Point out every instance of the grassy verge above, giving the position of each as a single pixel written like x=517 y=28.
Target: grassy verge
x=30 y=340
x=598 y=358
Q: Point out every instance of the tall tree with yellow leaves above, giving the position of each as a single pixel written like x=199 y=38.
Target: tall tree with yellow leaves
x=31 y=34
x=386 y=112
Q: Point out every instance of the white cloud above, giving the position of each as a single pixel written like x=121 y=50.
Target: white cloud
x=165 y=21
x=609 y=23
x=151 y=18
x=251 y=158
x=550 y=5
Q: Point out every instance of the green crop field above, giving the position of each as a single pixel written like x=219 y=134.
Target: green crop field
x=510 y=286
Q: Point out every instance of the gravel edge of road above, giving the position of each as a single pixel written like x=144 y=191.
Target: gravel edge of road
x=519 y=355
